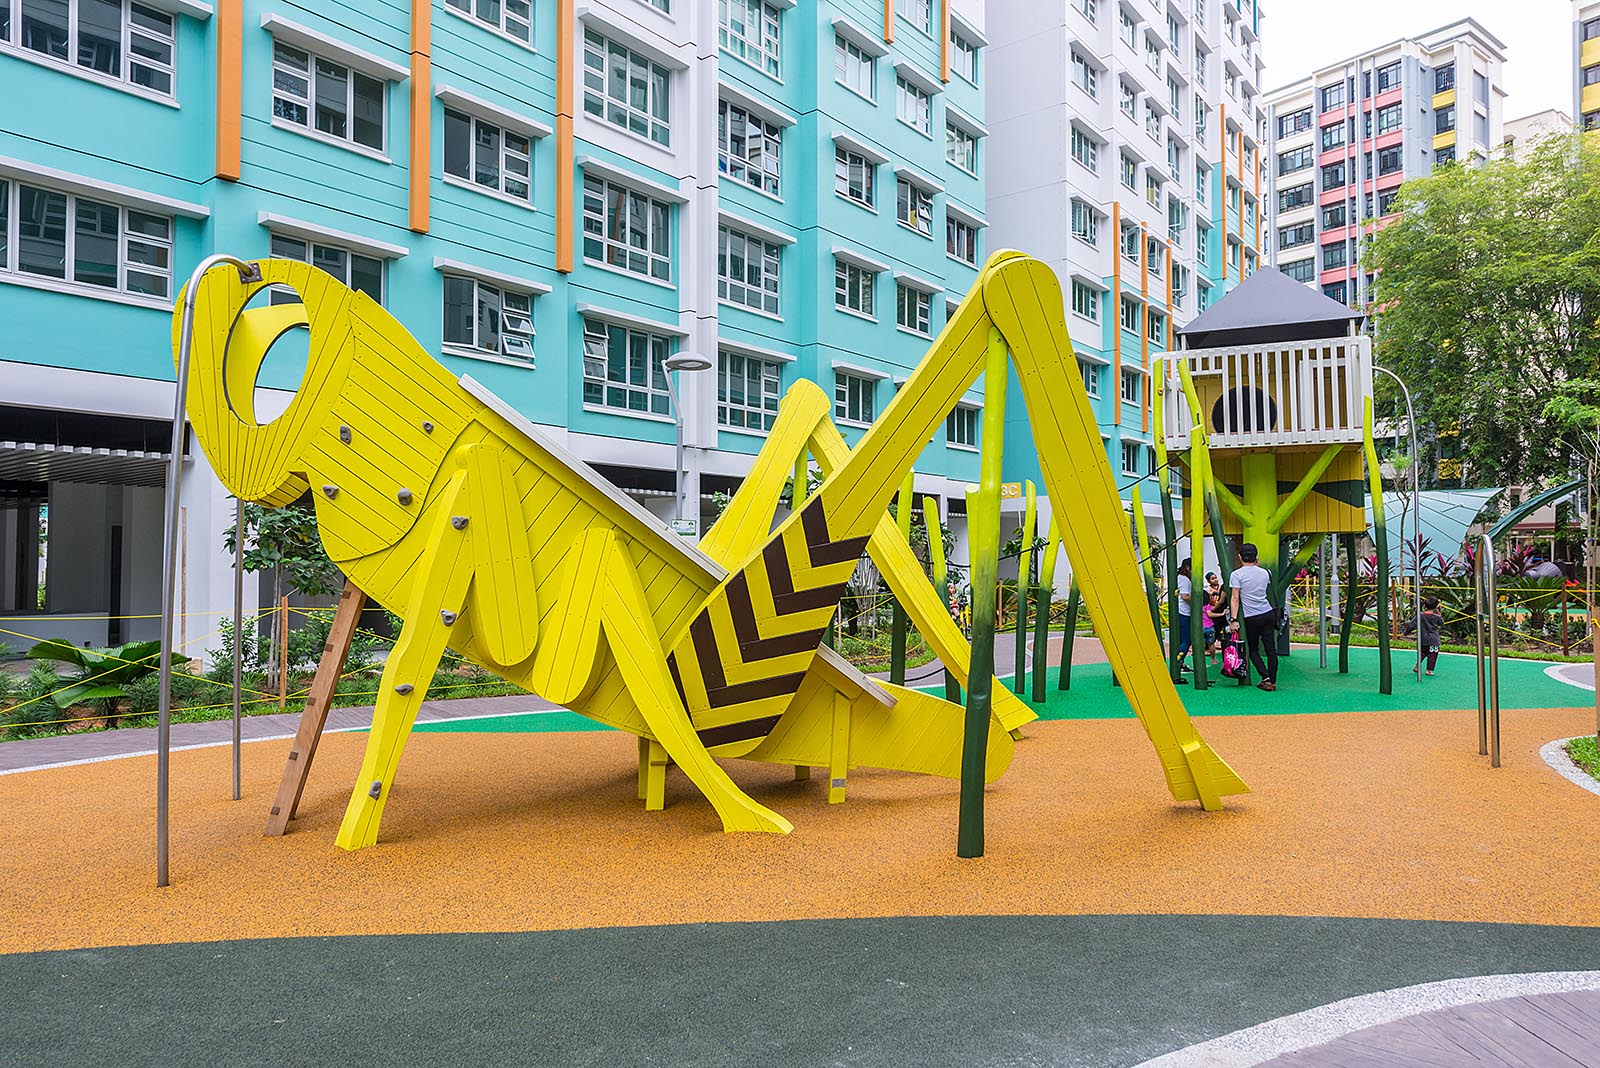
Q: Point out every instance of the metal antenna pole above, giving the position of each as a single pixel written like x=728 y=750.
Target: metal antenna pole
x=1416 y=513
x=248 y=272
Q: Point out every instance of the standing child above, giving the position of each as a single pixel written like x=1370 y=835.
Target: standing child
x=1429 y=645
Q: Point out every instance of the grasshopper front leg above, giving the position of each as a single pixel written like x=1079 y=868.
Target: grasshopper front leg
x=443 y=577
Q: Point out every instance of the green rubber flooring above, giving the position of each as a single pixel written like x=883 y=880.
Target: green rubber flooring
x=1303 y=688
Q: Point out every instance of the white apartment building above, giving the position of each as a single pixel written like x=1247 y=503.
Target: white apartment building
x=1347 y=136
x=1126 y=151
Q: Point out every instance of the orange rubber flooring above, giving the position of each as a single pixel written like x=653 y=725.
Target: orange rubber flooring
x=1359 y=815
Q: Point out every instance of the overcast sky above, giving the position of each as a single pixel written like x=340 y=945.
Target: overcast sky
x=1299 y=36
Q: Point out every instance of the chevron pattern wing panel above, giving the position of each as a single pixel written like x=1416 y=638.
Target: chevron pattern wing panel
x=748 y=649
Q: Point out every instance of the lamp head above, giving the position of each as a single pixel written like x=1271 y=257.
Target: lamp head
x=687 y=361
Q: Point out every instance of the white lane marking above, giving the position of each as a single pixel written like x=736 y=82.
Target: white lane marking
x=1288 y=1034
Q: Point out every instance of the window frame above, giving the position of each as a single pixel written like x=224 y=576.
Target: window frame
x=505 y=155
x=913 y=105
x=851 y=277
x=11 y=247
x=1131 y=376
x=954 y=231
x=608 y=191
x=857 y=393
x=849 y=56
x=767 y=137
x=128 y=61
x=960 y=143
x=763 y=275
x=507 y=346
x=468 y=10
x=913 y=308
x=961 y=428
x=276 y=248
x=754 y=370
x=656 y=397
x=599 y=102
x=1085 y=300
x=844 y=164
x=909 y=199
x=310 y=104
x=765 y=51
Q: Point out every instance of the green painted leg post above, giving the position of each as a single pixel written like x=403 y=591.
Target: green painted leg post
x=1069 y=635
x=897 y=621
x=1380 y=542
x=941 y=578
x=983 y=527
x=1041 y=626
x=1347 y=611
x=1030 y=516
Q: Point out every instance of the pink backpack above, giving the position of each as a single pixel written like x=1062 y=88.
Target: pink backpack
x=1232 y=661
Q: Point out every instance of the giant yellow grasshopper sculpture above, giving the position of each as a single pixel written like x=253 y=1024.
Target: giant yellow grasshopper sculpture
x=443 y=503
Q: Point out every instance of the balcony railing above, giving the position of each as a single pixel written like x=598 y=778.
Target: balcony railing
x=1297 y=393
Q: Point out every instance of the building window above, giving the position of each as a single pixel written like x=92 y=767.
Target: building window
x=76 y=239
x=626 y=89
x=747 y=271
x=488 y=319
x=331 y=99
x=853 y=287
x=747 y=148
x=913 y=309
x=1334 y=216
x=1333 y=175
x=1202 y=117
x=1132 y=386
x=1202 y=67
x=1444 y=120
x=1152 y=53
x=917 y=12
x=512 y=18
x=1294 y=197
x=1087 y=77
x=1086 y=301
x=960 y=148
x=1156 y=328
x=961 y=240
x=913 y=106
x=1127 y=170
x=914 y=206
x=1130 y=458
x=1389 y=118
x=1294 y=236
x=853 y=68
x=486 y=155
x=1333 y=97
x=747 y=391
x=1388 y=76
x=748 y=29
x=1085 y=223
x=1130 y=314
x=1444 y=78
x=361 y=273
x=1591 y=75
x=623 y=368
x=1085 y=149
x=1591 y=29
x=1480 y=87
x=1294 y=122
x=1125 y=26
x=1294 y=160
x=1386 y=200
x=1334 y=291
x=1333 y=135
x=1444 y=156
x=119 y=40
x=1390 y=159
x=1152 y=190
x=1090 y=9
x=627 y=230
x=1480 y=128
x=1091 y=378
x=1152 y=120
x=853 y=176
x=964 y=55
x=1335 y=255
x=1130 y=243
x=1177 y=220
x=1180 y=282
x=961 y=427
x=854 y=398
x=1202 y=184
x=1127 y=96
x=1300 y=270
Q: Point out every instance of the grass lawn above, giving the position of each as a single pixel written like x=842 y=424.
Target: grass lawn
x=1585 y=754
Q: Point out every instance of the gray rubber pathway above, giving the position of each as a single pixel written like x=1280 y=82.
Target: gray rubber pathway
x=28 y=753
x=1065 y=992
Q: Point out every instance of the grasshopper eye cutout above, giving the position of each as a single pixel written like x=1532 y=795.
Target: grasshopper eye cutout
x=267 y=355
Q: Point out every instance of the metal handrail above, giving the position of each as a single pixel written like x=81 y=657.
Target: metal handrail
x=248 y=272
x=1486 y=590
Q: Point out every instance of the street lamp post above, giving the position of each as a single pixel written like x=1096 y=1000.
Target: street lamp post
x=1416 y=511
x=683 y=361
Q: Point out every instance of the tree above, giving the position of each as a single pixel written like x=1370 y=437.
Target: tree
x=1488 y=305
x=285 y=542
x=102 y=675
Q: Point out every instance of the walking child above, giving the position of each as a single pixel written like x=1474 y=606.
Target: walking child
x=1428 y=647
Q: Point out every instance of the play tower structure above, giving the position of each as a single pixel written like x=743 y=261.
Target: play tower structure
x=1266 y=410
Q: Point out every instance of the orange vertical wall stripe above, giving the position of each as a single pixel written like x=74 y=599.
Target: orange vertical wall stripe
x=944 y=44
x=565 y=28
x=421 y=112
x=888 y=21
x=1116 y=304
x=230 y=86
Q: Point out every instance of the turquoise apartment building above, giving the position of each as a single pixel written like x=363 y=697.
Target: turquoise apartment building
x=551 y=196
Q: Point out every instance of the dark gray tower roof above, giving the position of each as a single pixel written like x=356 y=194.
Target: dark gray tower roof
x=1269 y=306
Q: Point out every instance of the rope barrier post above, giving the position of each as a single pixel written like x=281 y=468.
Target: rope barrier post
x=238 y=598
x=169 y=544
